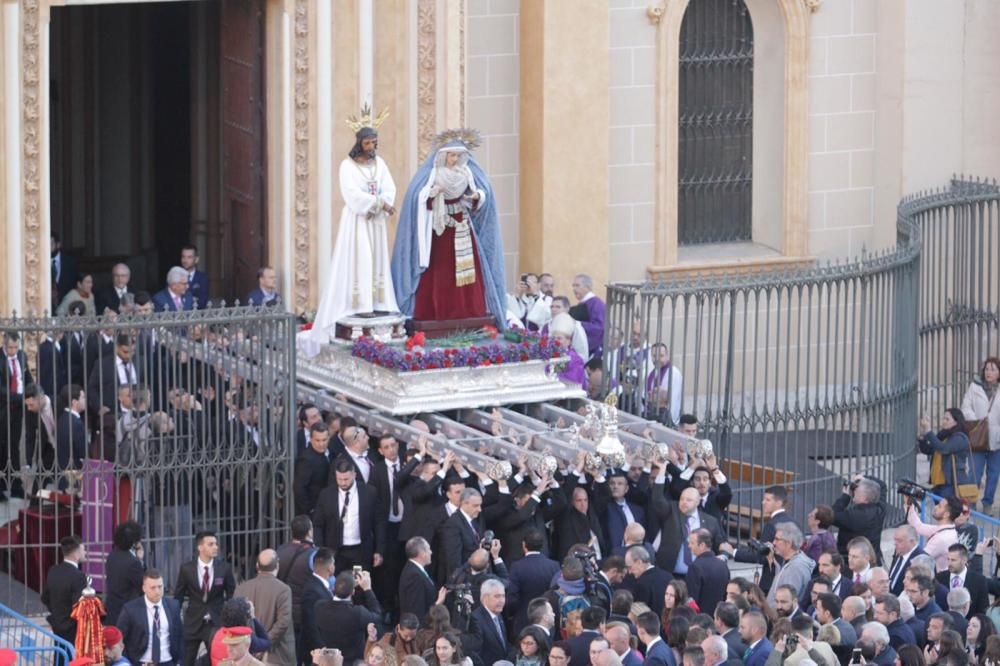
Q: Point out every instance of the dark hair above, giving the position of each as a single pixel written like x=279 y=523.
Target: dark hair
x=67 y=395
x=126 y=535
x=621 y=602
x=703 y=620
x=319 y=426
x=802 y=623
x=450 y=481
x=83 y=275
x=836 y=559
x=534 y=540
x=777 y=492
x=69 y=544
x=303 y=408
x=950 y=643
x=687 y=419
x=960 y=549
x=438 y=619
x=300 y=527
x=360 y=136
x=347 y=422
x=596 y=363
x=925 y=583
x=152 y=574
x=954 y=505
x=910 y=655
x=677 y=630
x=986 y=629
x=32 y=391
x=703 y=537
x=649 y=623
x=456 y=643
x=891 y=603
x=142 y=298
x=822 y=580
x=990 y=360
x=408 y=621
x=536 y=609
x=728 y=614
x=344 y=584
x=190 y=246
x=77 y=308
x=204 y=534
x=236 y=612
x=593 y=617
x=343 y=465
x=831 y=603
x=123 y=340
x=613 y=562
x=824 y=515
x=562 y=645
x=947 y=622
x=541 y=640
x=959 y=417
x=323 y=556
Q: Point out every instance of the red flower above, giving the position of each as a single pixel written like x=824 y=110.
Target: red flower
x=420 y=338
x=447 y=363
x=498 y=359
x=409 y=357
x=485 y=363
x=306 y=327
x=491 y=331
x=524 y=357
x=557 y=343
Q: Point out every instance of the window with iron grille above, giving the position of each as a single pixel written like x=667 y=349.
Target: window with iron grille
x=715 y=147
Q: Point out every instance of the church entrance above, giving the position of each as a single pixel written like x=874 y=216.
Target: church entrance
x=157 y=139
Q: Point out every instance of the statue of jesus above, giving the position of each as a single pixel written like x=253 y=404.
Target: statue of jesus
x=360 y=281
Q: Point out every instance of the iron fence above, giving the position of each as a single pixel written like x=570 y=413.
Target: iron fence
x=181 y=422
x=799 y=377
x=34 y=645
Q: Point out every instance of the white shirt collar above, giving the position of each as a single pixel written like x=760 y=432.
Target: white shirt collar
x=588 y=296
x=150 y=604
x=73 y=562
x=344 y=492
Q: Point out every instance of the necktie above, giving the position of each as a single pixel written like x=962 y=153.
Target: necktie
x=496 y=621
x=956 y=581
x=55 y=270
x=621 y=512
x=896 y=562
x=688 y=559
x=395 y=489
x=347 y=502
x=155 y=647
x=13 y=374
x=204 y=583
x=177 y=302
x=857 y=578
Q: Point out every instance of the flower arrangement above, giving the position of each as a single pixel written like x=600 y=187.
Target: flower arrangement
x=416 y=357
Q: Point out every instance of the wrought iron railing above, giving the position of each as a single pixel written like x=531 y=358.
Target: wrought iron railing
x=35 y=645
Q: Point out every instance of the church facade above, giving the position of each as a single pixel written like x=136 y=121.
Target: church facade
x=624 y=138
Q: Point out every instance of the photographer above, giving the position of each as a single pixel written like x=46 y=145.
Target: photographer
x=773 y=507
x=799 y=646
x=940 y=535
x=342 y=624
x=860 y=511
x=797 y=568
x=475 y=572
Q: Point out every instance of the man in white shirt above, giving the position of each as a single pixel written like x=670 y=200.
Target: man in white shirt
x=348 y=519
x=356 y=444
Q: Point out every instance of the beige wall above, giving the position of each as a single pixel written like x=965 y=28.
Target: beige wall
x=493 y=98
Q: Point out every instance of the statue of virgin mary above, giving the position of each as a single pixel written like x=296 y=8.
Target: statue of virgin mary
x=447 y=261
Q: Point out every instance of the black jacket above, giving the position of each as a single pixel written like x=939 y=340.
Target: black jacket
x=897 y=586
x=420 y=499
x=63 y=588
x=668 y=516
x=512 y=525
x=854 y=520
x=417 y=592
x=650 y=587
x=490 y=647
x=459 y=540
x=52 y=367
x=707 y=578
x=976 y=584
x=314 y=592
x=530 y=577
x=134 y=625
x=189 y=587
x=122 y=581
x=328 y=528
x=379 y=482
x=312 y=470
x=343 y=624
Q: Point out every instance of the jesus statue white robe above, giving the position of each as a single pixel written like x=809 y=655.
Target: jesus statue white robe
x=359 y=279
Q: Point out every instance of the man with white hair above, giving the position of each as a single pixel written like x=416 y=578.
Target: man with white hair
x=797 y=569
x=716 y=651
x=906 y=547
x=959 y=601
x=876 y=634
x=878 y=581
x=175 y=298
x=110 y=297
x=618 y=635
x=487 y=625
x=853 y=611
x=860 y=512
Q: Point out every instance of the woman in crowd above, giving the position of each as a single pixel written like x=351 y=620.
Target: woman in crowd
x=910 y=655
x=949 y=451
x=676 y=637
x=83 y=292
x=438 y=622
x=820 y=539
x=447 y=650
x=950 y=643
x=758 y=602
x=532 y=647
x=377 y=655
x=980 y=403
x=674 y=596
x=979 y=631
x=559 y=654
x=992 y=655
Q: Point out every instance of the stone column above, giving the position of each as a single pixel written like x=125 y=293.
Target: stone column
x=564 y=140
x=10 y=125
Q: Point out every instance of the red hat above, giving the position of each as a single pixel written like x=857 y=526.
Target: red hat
x=112 y=636
x=8 y=657
x=236 y=634
x=82 y=661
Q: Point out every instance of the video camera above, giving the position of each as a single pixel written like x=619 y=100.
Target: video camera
x=462 y=596
x=911 y=489
x=758 y=547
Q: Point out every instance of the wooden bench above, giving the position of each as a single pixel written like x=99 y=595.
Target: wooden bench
x=755 y=475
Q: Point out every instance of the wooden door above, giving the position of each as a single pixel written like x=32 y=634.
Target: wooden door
x=241 y=65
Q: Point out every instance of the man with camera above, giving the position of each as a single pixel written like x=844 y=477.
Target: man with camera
x=760 y=552
x=799 y=646
x=342 y=624
x=796 y=569
x=860 y=511
x=481 y=566
x=940 y=535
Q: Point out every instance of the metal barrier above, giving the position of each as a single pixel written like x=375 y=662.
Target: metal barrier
x=33 y=644
x=987 y=526
x=180 y=421
x=800 y=377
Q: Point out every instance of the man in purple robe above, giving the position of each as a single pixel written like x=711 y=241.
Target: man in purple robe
x=583 y=290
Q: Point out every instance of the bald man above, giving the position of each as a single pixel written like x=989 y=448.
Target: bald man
x=272 y=602
x=676 y=521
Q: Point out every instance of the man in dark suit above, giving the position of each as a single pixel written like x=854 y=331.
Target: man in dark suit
x=753 y=630
x=906 y=547
x=39 y=433
x=110 y=297
x=52 y=364
x=417 y=592
x=97 y=347
x=888 y=613
x=266 y=292
x=960 y=575
x=462 y=533
x=75 y=349
x=772 y=506
x=15 y=375
x=421 y=496
x=530 y=507
x=206 y=583
x=64 y=271
x=707 y=576
x=151 y=625
x=71 y=434
x=486 y=625
x=614 y=509
x=650 y=580
x=389 y=475
x=176 y=297
x=63 y=587
x=727 y=622
x=308 y=415
x=677 y=521
x=312 y=469
x=713 y=487
x=348 y=520
x=860 y=511
x=342 y=624
x=530 y=577
x=110 y=372
x=648 y=629
x=123 y=570
x=197 y=280
x=316 y=590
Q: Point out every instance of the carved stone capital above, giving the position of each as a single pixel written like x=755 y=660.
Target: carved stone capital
x=813 y=5
x=655 y=11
